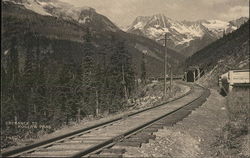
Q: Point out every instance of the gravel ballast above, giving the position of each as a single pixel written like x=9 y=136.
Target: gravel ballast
x=192 y=137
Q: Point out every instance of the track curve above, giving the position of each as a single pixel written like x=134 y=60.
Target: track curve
x=89 y=140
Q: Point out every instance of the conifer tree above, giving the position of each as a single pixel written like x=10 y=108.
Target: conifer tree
x=121 y=74
x=88 y=66
x=29 y=79
x=143 y=69
x=14 y=63
x=10 y=82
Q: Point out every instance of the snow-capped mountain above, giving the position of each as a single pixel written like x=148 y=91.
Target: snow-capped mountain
x=218 y=27
x=238 y=22
x=64 y=39
x=68 y=12
x=183 y=36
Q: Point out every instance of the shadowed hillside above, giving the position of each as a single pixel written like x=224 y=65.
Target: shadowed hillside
x=17 y=21
x=229 y=52
x=56 y=70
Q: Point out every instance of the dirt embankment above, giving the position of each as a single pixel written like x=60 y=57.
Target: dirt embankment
x=152 y=94
x=219 y=128
x=234 y=140
x=193 y=137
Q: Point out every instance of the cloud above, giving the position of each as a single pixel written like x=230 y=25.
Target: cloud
x=235 y=12
x=123 y=12
x=214 y=2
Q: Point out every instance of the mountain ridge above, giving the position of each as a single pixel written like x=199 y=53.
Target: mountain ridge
x=58 y=30
x=69 y=12
x=182 y=34
x=227 y=53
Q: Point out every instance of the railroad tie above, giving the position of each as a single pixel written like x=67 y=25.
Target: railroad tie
x=105 y=156
x=150 y=130
x=101 y=136
x=144 y=135
x=137 y=139
x=158 y=126
x=114 y=150
x=129 y=143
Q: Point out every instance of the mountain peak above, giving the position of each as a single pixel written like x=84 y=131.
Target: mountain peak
x=67 y=11
x=182 y=34
x=87 y=8
x=239 y=22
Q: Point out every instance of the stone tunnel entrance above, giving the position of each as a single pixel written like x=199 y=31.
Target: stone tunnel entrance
x=190 y=76
x=193 y=74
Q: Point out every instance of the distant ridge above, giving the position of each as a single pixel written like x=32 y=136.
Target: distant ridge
x=186 y=37
x=227 y=53
x=66 y=36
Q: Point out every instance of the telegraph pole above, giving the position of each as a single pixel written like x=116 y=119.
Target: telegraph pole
x=171 y=78
x=97 y=103
x=165 y=67
x=124 y=84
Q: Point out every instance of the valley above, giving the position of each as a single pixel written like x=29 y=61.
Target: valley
x=186 y=37
x=126 y=92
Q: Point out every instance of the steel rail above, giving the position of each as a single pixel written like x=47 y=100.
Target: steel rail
x=58 y=138
x=89 y=150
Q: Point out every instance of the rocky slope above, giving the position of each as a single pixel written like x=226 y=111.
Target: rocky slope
x=56 y=8
x=184 y=36
x=65 y=36
x=229 y=52
x=180 y=140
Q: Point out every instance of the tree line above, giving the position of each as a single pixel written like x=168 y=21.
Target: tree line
x=54 y=92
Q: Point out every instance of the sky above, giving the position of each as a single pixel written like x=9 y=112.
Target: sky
x=124 y=12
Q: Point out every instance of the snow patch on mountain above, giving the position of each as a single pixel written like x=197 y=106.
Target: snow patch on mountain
x=192 y=30
x=45 y=3
x=181 y=33
x=156 y=32
x=33 y=5
x=37 y=8
x=84 y=20
x=184 y=40
x=139 y=25
x=218 y=26
x=157 y=26
x=67 y=11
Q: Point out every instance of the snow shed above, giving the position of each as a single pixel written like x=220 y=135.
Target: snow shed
x=192 y=74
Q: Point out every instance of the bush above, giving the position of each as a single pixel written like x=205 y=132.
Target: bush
x=230 y=142
x=238 y=106
x=238 y=114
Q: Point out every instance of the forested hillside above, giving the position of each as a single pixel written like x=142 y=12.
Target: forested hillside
x=54 y=71
x=52 y=88
x=227 y=53
x=17 y=20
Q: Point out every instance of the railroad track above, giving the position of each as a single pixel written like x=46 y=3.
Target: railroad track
x=106 y=139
